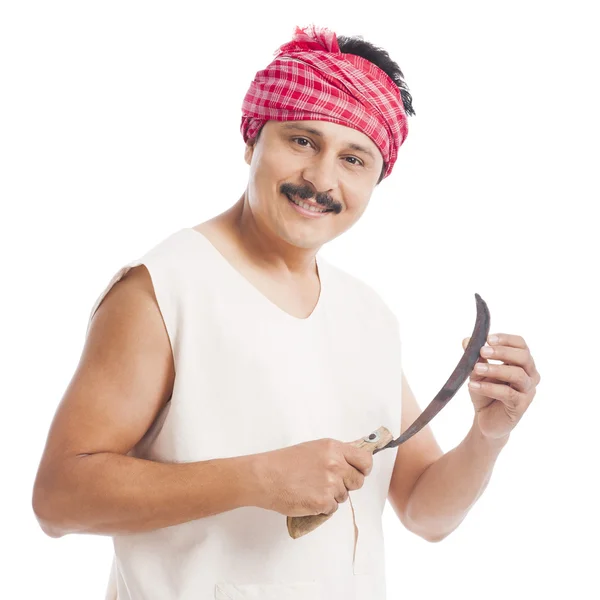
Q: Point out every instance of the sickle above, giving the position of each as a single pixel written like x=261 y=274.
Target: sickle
x=381 y=439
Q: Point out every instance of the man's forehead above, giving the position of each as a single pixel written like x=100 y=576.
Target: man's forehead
x=348 y=136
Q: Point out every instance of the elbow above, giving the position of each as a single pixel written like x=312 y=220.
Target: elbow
x=43 y=514
x=49 y=529
x=429 y=534
x=435 y=539
x=430 y=530
x=438 y=537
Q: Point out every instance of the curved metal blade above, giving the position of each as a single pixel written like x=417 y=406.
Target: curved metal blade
x=458 y=377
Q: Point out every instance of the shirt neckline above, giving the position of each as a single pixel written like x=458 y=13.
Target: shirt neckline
x=245 y=281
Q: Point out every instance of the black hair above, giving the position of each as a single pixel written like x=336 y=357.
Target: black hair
x=380 y=58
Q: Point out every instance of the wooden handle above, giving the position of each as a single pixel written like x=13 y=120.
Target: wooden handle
x=299 y=526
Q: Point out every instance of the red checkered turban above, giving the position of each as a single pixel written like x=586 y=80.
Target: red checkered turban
x=311 y=80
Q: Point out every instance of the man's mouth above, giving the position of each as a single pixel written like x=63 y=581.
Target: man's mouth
x=307 y=206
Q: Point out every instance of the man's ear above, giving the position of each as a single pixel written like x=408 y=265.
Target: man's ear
x=248 y=152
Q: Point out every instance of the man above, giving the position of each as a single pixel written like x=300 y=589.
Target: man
x=226 y=372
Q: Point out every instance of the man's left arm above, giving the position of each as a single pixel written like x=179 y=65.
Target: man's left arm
x=432 y=492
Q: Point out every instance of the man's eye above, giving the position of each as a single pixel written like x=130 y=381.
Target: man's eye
x=303 y=140
x=358 y=162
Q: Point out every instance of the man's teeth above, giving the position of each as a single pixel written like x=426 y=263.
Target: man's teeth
x=308 y=206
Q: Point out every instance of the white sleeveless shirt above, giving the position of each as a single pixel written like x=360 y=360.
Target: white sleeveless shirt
x=251 y=378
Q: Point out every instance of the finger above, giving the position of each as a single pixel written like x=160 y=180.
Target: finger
x=353 y=479
x=480 y=359
x=521 y=356
x=465 y=342
x=342 y=494
x=506 y=339
x=514 y=376
x=514 y=400
x=511 y=356
x=503 y=339
x=474 y=376
x=359 y=458
x=334 y=507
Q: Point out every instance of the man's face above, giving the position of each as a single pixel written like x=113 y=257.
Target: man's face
x=332 y=165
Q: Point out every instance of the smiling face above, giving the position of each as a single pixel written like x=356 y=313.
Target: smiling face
x=322 y=163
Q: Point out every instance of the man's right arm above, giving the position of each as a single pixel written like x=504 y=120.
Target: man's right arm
x=85 y=482
x=107 y=493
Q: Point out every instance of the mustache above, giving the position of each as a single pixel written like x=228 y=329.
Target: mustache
x=305 y=193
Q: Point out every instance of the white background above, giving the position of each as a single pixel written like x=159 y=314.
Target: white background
x=119 y=125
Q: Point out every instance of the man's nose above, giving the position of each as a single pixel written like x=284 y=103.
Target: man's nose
x=321 y=173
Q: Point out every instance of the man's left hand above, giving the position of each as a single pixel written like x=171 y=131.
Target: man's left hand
x=506 y=390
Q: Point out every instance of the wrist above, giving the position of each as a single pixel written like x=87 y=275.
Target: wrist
x=484 y=443
x=250 y=476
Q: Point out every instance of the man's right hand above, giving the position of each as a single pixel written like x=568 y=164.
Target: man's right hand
x=310 y=478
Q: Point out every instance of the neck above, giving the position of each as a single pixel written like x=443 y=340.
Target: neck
x=267 y=250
